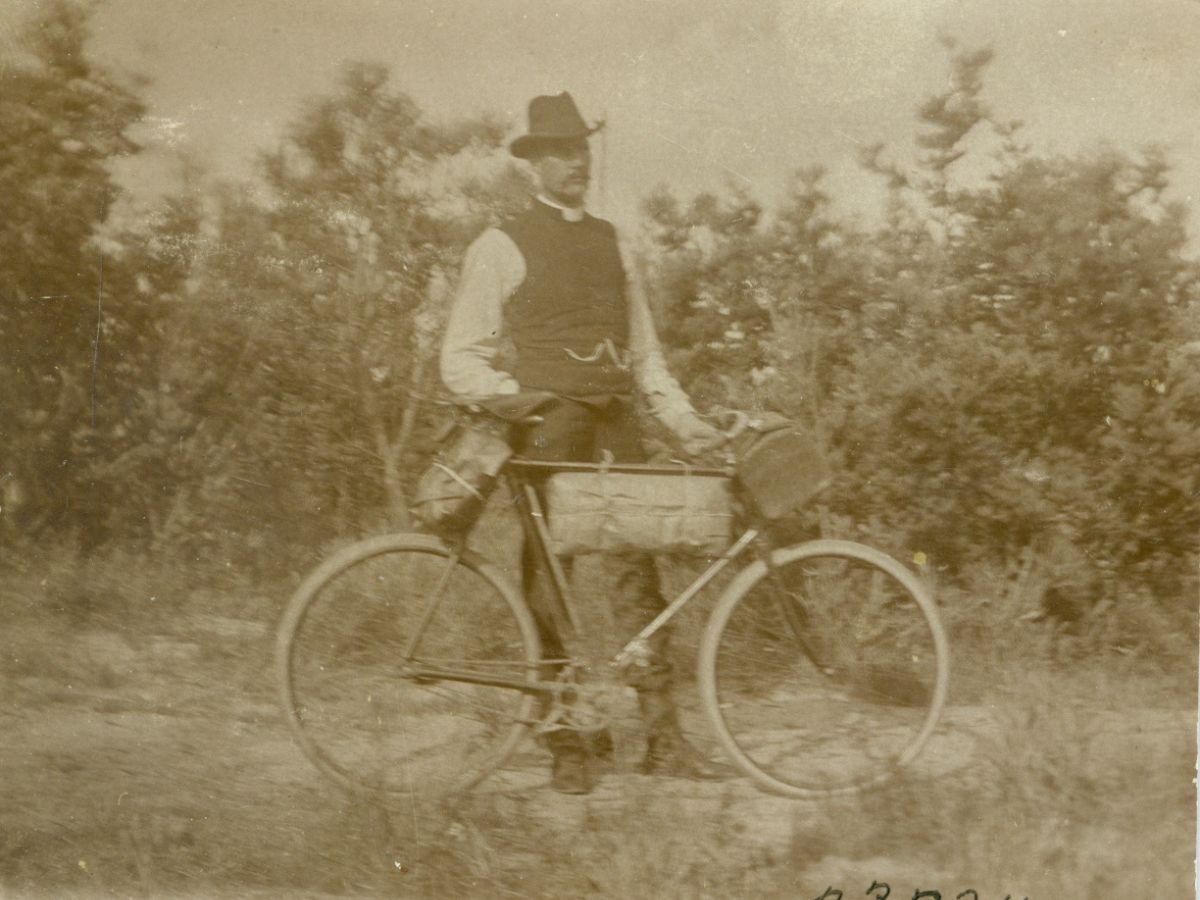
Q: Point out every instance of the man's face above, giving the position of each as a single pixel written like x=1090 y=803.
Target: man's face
x=563 y=169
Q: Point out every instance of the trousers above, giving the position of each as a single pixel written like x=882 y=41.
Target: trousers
x=580 y=431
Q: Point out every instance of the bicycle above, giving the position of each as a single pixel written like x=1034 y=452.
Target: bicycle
x=412 y=666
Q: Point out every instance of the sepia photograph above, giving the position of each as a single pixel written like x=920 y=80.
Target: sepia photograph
x=616 y=449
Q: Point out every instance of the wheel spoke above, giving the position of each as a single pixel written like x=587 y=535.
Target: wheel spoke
x=351 y=649
x=807 y=729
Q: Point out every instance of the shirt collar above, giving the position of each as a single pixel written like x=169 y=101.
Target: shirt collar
x=570 y=215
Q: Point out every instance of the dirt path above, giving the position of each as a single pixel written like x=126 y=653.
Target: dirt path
x=175 y=742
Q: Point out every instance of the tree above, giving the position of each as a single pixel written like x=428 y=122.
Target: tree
x=63 y=119
x=317 y=305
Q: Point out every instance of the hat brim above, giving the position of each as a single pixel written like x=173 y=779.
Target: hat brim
x=527 y=145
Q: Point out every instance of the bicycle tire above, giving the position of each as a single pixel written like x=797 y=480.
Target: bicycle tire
x=341 y=660
x=845 y=714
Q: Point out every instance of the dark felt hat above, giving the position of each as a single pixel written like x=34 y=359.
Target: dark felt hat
x=551 y=119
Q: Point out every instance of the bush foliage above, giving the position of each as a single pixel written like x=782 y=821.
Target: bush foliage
x=1002 y=366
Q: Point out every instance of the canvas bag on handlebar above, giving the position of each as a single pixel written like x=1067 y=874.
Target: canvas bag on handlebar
x=605 y=512
x=781 y=470
x=451 y=493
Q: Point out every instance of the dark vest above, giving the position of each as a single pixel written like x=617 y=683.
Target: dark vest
x=568 y=321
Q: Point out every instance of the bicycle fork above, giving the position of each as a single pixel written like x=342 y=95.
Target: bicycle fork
x=791 y=610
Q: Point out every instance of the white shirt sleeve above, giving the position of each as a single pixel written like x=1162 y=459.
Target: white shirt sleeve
x=666 y=399
x=492 y=270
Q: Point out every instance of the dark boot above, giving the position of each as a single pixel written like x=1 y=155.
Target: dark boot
x=570 y=772
x=668 y=753
x=671 y=756
x=600 y=745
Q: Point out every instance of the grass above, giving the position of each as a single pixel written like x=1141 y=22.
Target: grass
x=144 y=758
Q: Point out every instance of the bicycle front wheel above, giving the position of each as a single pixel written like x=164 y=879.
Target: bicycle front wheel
x=400 y=664
x=826 y=672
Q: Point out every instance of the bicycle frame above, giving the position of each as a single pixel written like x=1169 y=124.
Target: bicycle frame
x=522 y=477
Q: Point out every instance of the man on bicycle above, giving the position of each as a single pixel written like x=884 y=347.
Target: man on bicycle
x=544 y=321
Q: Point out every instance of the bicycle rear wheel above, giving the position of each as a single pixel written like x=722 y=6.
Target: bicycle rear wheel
x=375 y=658
x=826 y=673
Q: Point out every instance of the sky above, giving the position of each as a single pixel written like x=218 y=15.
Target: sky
x=695 y=94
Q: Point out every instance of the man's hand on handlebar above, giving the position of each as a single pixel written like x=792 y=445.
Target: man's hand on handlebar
x=732 y=424
x=704 y=439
